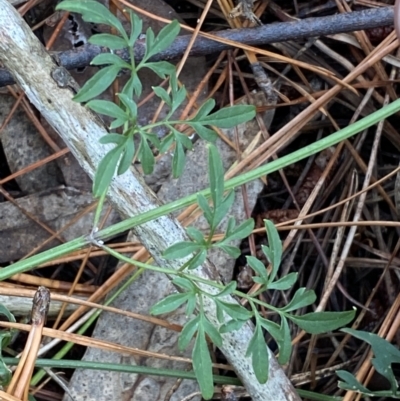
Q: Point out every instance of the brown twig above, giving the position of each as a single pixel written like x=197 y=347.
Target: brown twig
x=279 y=32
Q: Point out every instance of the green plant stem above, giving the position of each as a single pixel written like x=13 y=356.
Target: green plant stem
x=145 y=370
x=333 y=139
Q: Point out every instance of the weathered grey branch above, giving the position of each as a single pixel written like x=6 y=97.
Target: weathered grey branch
x=31 y=66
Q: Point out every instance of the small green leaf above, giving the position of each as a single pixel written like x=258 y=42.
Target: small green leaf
x=385 y=354
x=136 y=28
x=183 y=139
x=187 y=333
x=129 y=87
x=259 y=355
x=222 y=209
x=177 y=98
x=146 y=156
x=180 y=250
x=231 y=325
x=166 y=143
x=110 y=58
x=302 y=297
x=205 y=133
x=162 y=94
x=5 y=372
x=184 y=283
x=281 y=335
x=284 y=283
x=170 y=303
x=197 y=259
x=190 y=306
x=178 y=161
x=92 y=11
x=239 y=232
x=129 y=104
x=212 y=332
x=204 y=110
x=105 y=172
x=204 y=206
x=112 y=138
x=97 y=84
x=202 y=364
x=117 y=123
x=235 y=311
x=164 y=38
x=127 y=157
x=195 y=234
x=113 y=42
x=5 y=312
x=161 y=68
x=229 y=288
x=232 y=251
x=216 y=175
x=258 y=267
x=107 y=108
x=352 y=384
x=274 y=251
x=321 y=322
x=230 y=116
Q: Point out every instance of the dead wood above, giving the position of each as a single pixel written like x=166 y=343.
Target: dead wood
x=277 y=32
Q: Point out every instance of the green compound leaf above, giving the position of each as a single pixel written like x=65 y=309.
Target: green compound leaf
x=322 y=322
x=170 y=303
x=229 y=288
x=113 y=42
x=107 y=108
x=110 y=58
x=93 y=11
x=202 y=364
x=97 y=84
x=301 y=298
x=229 y=116
x=105 y=171
x=258 y=351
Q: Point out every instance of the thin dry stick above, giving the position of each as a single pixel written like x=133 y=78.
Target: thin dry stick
x=20 y=382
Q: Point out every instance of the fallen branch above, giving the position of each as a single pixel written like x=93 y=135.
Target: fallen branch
x=32 y=67
x=277 y=32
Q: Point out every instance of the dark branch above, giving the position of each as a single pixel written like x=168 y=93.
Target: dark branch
x=277 y=32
